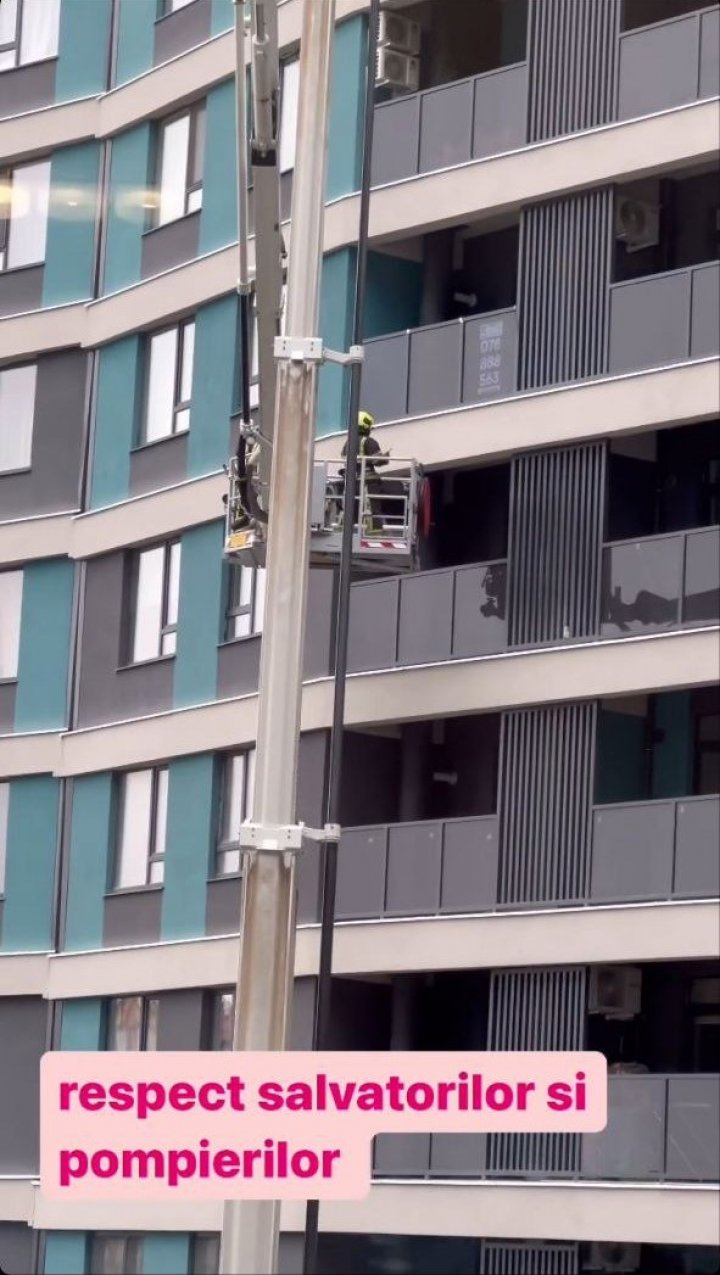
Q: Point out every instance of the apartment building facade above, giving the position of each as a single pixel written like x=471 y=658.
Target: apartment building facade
x=531 y=813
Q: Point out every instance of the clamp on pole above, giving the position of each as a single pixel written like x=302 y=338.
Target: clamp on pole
x=285 y=839
x=311 y=349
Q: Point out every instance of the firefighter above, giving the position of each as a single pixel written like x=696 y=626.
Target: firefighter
x=374 y=457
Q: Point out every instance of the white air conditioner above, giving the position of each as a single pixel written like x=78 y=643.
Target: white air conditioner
x=397 y=70
x=399 y=33
x=613 y=1257
x=637 y=223
x=615 y=990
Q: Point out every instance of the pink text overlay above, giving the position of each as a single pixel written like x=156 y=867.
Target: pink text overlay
x=285 y=1125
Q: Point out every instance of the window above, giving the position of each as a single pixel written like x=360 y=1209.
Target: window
x=116 y=1255
x=246 y=601
x=28 y=31
x=169 y=382
x=180 y=154
x=17 y=410
x=288 y=113
x=24 y=198
x=132 y=1023
x=4 y=811
x=11 y=583
x=141 y=828
x=237 y=789
x=220 y=1009
x=155 y=588
x=205 y=1255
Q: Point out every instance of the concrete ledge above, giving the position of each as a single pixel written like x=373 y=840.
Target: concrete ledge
x=27 y=539
x=17 y=1199
x=32 y=754
x=606 y=408
x=147 y=517
x=37 y=132
x=202 y=962
x=42 y=330
x=23 y=974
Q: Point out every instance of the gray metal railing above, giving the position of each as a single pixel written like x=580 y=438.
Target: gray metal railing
x=669 y=63
x=660 y=582
x=441 y=366
x=659 y=850
x=659 y=319
x=662 y=1128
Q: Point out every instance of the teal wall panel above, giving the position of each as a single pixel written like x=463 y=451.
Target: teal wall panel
x=30 y=867
x=69 y=256
x=393 y=294
x=65 y=1253
x=673 y=750
x=347 y=99
x=218 y=220
x=216 y=338
x=221 y=16
x=126 y=218
x=82 y=49
x=135 y=39
x=81 y=1024
x=165 y=1254
x=191 y=826
x=336 y=305
x=200 y=615
x=114 y=421
x=89 y=852
x=41 y=702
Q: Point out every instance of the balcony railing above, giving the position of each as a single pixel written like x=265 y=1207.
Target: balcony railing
x=639 y=851
x=450 y=124
x=661 y=582
x=665 y=318
x=661 y=1128
x=669 y=64
x=441 y=366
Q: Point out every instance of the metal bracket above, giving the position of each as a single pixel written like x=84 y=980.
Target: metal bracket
x=284 y=839
x=310 y=349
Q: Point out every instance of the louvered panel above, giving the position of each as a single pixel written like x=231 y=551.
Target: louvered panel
x=536 y=1010
x=573 y=56
x=556 y=535
x=565 y=249
x=497 y=1258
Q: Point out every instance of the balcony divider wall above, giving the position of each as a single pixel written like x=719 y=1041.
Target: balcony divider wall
x=573 y=58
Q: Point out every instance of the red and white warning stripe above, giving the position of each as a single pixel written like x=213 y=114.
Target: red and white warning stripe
x=382 y=544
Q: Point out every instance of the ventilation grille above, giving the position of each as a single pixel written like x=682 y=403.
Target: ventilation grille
x=573 y=65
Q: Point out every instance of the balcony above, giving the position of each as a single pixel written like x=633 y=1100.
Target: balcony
x=669 y=64
x=444 y=365
x=665 y=318
x=661 y=1128
x=640 y=852
x=660 y=582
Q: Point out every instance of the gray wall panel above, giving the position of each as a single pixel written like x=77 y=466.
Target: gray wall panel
x=170 y=245
x=632 y=1145
x=53 y=481
x=693 y=1129
x=372 y=641
x=21 y=290
x=238 y=667
x=446 y=122
x=632 y=852
x=710 y=54
x=385 y=376
x=361 y=869
x=414 y=865
x=23 y=1025
x=435 y=368
x=479 y=613
x=158 y=464
x=705 y=313
x=132 y=917
x=457 y=1155
x=500 y=111
x=701 y=584
x=402 y=1155
x=318 y=622
x=658 y=67
x=697 y=863
x=8 y=692
x=396 y=137
x=490 y=356
x=302 y=1013
x=426 y=609
x=27 y=88
x=222 y=906
x=176 y=32
x=650 y=322
x=16 y=1246
x=573 y=65
x=180 y=1016
x=290 y=1254
x=470 y=865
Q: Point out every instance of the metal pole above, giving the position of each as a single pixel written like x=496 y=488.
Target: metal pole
x=250 y=1227
x=342 y=619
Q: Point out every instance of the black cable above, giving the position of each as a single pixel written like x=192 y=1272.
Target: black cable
x=342 y=617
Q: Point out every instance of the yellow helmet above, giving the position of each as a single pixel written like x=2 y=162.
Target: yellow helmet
x=365 y=422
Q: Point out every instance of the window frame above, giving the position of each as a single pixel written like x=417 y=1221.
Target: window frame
x=5 y=371
x=167 y=627
x=12 y=675
x=159 y=782
x=180 y=405
x=236 y=610
x=14 y=46
x=7 y=179
x=212 y=1007
x=225 y=846
x=149 y=1019
x=194 y=162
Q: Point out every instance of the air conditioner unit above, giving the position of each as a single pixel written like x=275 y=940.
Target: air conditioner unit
x=397 y=70
x=637 y=223
x=613 y=1257
x=399 y=33
x=615 y=990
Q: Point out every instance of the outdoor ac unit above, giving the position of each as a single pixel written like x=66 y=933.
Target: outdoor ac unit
x=399 y=33
x=637 y=224
x=613 y=1257
x=397 y=70
x=615 y=990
